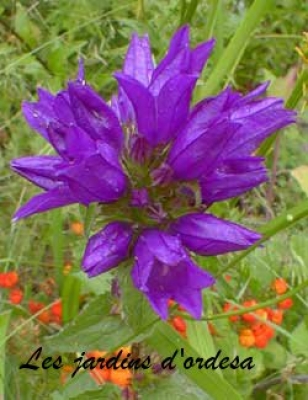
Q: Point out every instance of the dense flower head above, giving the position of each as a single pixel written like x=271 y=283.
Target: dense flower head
x=155 y=162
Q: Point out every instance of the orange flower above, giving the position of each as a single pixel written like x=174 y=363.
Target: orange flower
x=246 y=338
x=212 y=328
x=276 y=316
x=65 y=372
x=248 y=317
x=56 y=311
x=262 y=313
x=35 y=306
x=121 y=377
x=229 y=307
x=285 y=304
x=44 y=317
x=179 y=324
x=67 y=267
x=77 y=228
x=261 y=341
x=279 y=285
x=8 y=279
x=227 y=278
x=100 y=375
x=16 y=296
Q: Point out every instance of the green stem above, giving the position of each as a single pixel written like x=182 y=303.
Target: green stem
x=267 y=303
x=278 y=224
x=233 y=53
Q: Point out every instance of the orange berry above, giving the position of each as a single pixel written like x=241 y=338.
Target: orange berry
x=16 y=296
x=276 y=316
x=179 y=324
x=77 y=228
x=279 y=285
x=285 y=304
x=246 y=338
x=120 y=377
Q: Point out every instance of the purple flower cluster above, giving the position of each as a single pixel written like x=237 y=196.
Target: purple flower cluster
x=157 y=161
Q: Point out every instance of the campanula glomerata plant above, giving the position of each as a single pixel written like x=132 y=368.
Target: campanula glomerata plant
x=156 y=163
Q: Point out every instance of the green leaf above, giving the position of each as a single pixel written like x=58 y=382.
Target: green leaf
x=201 y=339
x=278 y=224
x=4 y=321
x=99 y=284
x=275 y=354
x=166 y=341
x=234 y=51
x=301 y=175
x=70 y=297
x=176 y=386
x=212 y=16
x=137 y=310
x=107 y=391
x=298 y=340
x=94 y=328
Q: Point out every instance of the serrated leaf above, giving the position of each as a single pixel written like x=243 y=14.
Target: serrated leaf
x=176 y=387
x=301 y=175
x=94 y=328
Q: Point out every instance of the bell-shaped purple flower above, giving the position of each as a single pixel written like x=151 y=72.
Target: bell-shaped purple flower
x=158 y=99
x=207 y=235
x=163 y=270
x=107 y=248
x=88 y=138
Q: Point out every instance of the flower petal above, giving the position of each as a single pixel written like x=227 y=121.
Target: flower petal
x=163 y=271
x=144 y=106
x=107 y=248
x=207 y=235
x=94 y=116
x=94 y=180
x=54 y=198
x=40 y=170
x=173 y=106
x=196 y=152
x=138 y=60
x=232 y=178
